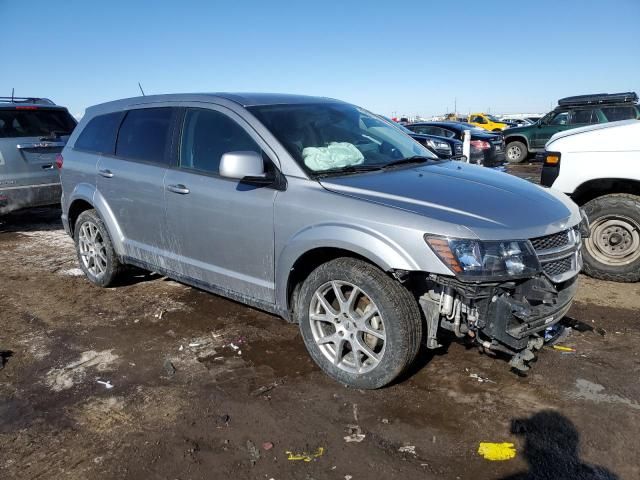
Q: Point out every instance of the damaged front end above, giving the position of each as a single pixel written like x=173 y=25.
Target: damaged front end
x=507 y=315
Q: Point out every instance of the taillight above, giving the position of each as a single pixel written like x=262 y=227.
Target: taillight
x=27 y=107
x=480 y=144
x=59 y=161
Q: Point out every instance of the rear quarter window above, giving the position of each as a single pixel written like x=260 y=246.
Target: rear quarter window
x=99 y=135
x=145 y=134
x=619 y=113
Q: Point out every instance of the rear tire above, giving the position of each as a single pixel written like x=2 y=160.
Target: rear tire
x=96 y=256
x=516 y=152
x=364 y=334
x=612 y=252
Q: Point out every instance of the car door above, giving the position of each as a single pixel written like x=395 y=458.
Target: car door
x=222 y=229
x=131 y=183
x=555 y=122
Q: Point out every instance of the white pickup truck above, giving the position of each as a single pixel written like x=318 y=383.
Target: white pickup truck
x=599 y=168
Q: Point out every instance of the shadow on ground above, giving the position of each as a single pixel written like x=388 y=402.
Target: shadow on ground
x=551 y=450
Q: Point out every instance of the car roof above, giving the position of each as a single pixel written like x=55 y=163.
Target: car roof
x=243 y=99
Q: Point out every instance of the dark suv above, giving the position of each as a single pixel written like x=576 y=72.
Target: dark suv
x=571 y=112
x=32 y=132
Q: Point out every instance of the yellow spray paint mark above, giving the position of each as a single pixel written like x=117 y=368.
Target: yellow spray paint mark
x=562 y=348
x=497 y=451
x=305 y=457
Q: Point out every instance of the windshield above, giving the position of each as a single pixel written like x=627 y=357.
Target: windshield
x=337 y=136
x=32 y=122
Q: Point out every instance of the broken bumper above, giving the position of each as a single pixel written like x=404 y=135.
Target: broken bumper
x=512 y=317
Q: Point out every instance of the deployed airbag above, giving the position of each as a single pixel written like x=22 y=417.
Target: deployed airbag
x=337 y=154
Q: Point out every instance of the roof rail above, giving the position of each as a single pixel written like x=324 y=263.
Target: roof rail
x=599 y=98
x=40 y=101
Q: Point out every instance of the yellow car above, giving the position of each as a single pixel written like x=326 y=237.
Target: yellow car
x=486 y=121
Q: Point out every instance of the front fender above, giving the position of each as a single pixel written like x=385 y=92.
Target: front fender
x=375 y=247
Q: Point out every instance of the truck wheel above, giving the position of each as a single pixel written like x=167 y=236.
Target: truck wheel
x=516 y=152
x=360 y=326
x=96 y=256
x=612 y=252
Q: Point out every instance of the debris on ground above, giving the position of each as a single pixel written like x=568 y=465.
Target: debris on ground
x=4 y=356
x=562 y=348
x=254 y=453
x=168 y=367
x=478 y=377
x=107 y=384
x=266 y=388
x=408 y=449
x=497 y=451
x=354 y=434
x=223 y=420
x=305 y=457
x=267 y=445
x=385 y=421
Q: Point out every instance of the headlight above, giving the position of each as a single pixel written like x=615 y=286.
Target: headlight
x=486 y=260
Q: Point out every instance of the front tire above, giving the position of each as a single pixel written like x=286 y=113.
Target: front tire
x=516 y=152
x=96 y=256
x=360 y=326
x=612 y=252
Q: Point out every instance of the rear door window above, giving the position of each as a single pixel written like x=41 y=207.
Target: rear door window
x=145 y=135
x=583 y=117
x=209 y=134
x=35 y=122
x=99 y=135
x=614 y=114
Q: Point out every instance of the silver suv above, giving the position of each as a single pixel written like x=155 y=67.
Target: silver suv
x=32 y=133
x=326 y=215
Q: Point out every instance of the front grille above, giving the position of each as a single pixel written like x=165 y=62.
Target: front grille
x=558 y=267
x=550 y=242
x=564 y=244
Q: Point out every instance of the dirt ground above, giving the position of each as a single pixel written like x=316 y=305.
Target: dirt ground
x=195 y=386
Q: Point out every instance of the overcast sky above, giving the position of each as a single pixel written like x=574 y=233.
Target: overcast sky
x=389 y=56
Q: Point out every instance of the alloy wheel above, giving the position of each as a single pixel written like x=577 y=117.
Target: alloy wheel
x=92 y=249
x=347 y=327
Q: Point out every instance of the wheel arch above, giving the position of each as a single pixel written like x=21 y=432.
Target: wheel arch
x=599 y=187
x=86 y=197
x=318 y=245
x=517 y=138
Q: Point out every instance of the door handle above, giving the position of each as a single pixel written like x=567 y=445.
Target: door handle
x=105 y=173
x=47 y=166
x=179 y=188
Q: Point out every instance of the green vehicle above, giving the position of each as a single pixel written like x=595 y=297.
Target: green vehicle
x=571 y=112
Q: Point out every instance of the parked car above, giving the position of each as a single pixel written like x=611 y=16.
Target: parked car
x=571 y=112
x=599 y=168
x=320 y=212
x=443 y=147
x=487 y=148
x=517 y=122
x=487 y=122
x=32 y=132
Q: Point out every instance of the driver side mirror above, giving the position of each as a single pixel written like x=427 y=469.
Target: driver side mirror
x=247 y=166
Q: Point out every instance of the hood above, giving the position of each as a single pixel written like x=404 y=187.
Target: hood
x=492 y=205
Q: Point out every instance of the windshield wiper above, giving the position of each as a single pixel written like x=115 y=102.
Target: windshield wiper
x=347 y=169
x=414 y=159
